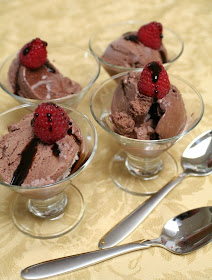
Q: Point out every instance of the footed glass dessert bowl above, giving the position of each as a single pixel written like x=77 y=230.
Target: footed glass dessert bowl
x=51 y=210
x=73 y=62
x=100 y=40
x=142 y=167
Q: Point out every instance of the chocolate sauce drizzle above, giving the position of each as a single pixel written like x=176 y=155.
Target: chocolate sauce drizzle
x=82 y=157
x=134 y=38
x=163 y=56
x=55 y=150
x=155 y=116
x=49 y=67
x=25 y=164
x=155 y=68
x=77 y=140
x=155 y=112
x=17 y=88
x=28 y=155
x=131 y=37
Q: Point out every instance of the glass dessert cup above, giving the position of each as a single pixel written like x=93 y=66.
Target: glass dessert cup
x=103 y=37
x=50 y=210
x=73 y=62
x=142 y=167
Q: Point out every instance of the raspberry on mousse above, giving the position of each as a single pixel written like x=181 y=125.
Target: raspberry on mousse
x=136 y=48
x=33 y=75
x=151 y=35
x=33 y=54
x=154 y=80
x=50 y=122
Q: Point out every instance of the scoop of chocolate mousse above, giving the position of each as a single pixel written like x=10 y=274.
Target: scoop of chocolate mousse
x=143 y=117
x=27 y=161
x=31 y=75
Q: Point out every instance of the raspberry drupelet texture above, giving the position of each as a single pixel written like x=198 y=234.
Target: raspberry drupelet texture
x=151 y=35
x=154 y=80
x=33 y=54
x=50 y=122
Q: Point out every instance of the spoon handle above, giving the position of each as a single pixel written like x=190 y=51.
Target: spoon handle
x=129 y=223
x=68 y=264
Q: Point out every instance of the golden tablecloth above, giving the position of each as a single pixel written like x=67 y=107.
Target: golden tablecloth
x=20 y=21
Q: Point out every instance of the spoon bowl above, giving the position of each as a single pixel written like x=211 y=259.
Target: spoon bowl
x=196 y=161
x=182 y=234
x=197 y=157
x=189 y=230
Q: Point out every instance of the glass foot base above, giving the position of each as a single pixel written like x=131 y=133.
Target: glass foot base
x=140 y=185
x=55 y=226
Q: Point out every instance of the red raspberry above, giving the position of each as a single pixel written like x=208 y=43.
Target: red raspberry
x=50 y=122
x=154 y=80
x=33 y=54
x=151 y=35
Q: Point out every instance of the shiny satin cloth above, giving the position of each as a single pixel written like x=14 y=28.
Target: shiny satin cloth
x=66 y=21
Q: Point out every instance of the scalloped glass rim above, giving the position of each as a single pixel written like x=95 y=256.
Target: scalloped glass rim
x=73 y=174
x=131 y=68
x=65 y=98
x=145 y=141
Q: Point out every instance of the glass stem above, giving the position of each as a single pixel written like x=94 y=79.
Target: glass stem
x=145 y=168
x=48 y=208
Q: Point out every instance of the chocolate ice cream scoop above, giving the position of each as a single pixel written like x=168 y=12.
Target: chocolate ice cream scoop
x=128 y=51
x=174 y=117
x=148 y=117
x=26 y=161
x=44 y=83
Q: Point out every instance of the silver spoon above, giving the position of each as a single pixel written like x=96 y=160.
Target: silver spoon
x=196 y=161
x=182 y=234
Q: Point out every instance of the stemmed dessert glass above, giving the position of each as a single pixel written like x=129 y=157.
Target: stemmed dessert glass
x=103 y=37
x=74 y=62
x=142 y=167
x=51 y=210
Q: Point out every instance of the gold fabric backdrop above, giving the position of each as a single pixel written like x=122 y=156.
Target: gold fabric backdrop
x=63 y=20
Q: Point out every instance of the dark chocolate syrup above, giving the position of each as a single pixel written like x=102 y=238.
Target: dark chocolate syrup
x=28 y=154
x=49 y=67
x=78 y=141
x=56 y=150
x=132 y=38
x=155 y=114
x=82 y=157
x=155 y=69
x=17 y=88
x=163 y=56
x=27 y=157
x=32 y=122
x=69 y=131
x=153 y=111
